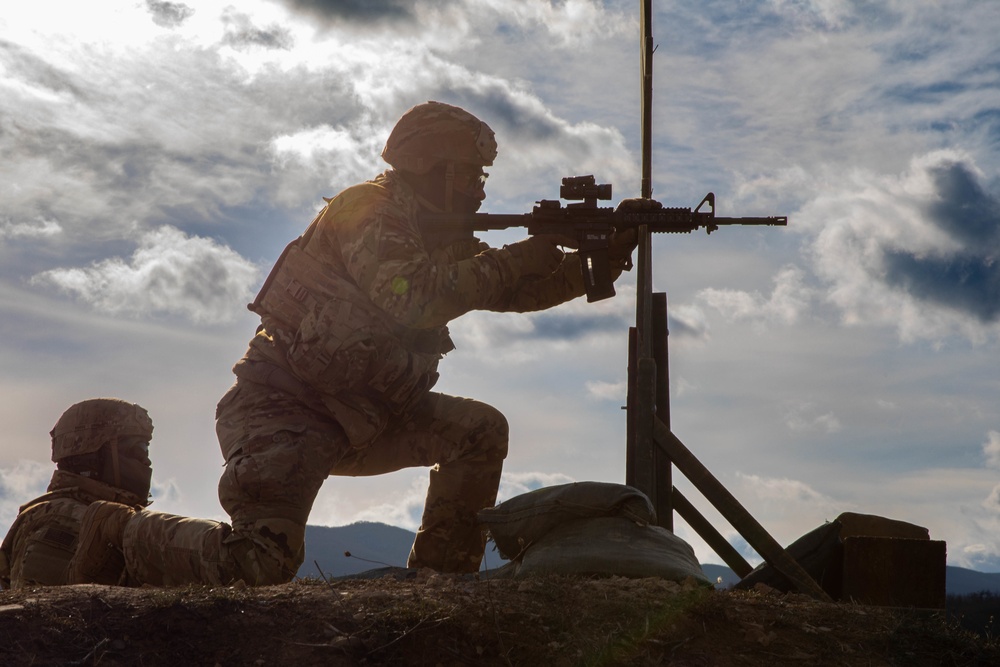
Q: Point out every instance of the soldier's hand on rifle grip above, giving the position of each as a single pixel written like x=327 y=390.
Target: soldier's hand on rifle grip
x=623 y=242
x=538 y=255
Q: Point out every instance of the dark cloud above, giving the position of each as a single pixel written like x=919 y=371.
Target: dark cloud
x=169 y=14
x=680 y=328
x=572 y=327
x=967 y=280
x=355 y=11
x=967 y=283
x=501 y=111
x=118 y=170
x=240 y=31
x=964 y=209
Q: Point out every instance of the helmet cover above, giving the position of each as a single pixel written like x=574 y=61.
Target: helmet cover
x=434 y=132
x=89 y=425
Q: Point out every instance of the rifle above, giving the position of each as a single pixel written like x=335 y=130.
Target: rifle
x=593 y=226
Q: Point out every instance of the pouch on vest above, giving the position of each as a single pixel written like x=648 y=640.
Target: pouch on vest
x=334 y=354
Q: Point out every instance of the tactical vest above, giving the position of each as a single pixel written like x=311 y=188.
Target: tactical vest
x=334 y=339
x=42 y=539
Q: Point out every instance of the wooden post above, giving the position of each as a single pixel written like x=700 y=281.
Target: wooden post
x=662 y=473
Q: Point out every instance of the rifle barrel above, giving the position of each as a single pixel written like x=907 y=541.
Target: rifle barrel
x=773 y=220
x=660 y=220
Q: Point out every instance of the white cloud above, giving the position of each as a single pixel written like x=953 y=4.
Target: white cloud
x=42 y=229
x=789 y=503
x=785 y=305
x=688 y=323
x=805 y=416
x=910 y=251
x=403 y=509
x=980 y=548
x=169 y=273
x=19 y=483
x=166 y=491
x=991 y=450
x=331 y=155
x=606 y=391
x=570 y=22
x=826 y=13
x=516 y=483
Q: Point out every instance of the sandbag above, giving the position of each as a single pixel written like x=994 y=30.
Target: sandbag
x=517 y=523
x=587 y=528
x=606 y=546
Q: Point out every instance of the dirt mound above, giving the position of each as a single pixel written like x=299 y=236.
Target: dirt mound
x=442 y=620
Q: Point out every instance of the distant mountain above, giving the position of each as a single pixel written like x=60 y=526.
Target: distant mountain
x=372 y=545
x=960 y=581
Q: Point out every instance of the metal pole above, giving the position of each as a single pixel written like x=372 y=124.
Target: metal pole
x=645 y=366
x=646 y=31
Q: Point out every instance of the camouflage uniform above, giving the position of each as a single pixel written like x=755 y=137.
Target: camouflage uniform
x=42 y=540
x=337 y=381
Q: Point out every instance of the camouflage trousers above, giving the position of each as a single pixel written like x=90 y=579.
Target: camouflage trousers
x=278 y=454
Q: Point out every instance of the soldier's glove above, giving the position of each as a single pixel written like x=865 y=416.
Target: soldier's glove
x=622 y=245
x=538 y=255
x=638 y=204
x=624 y=241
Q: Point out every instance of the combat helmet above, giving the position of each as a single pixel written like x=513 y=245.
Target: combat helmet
x=89 y=425
x=435 y=132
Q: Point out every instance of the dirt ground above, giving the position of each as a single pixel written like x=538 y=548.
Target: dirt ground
x=441 y=620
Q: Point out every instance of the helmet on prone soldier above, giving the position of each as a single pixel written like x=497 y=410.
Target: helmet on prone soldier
x=106 y=439
x=88 y=426
x=433 y=133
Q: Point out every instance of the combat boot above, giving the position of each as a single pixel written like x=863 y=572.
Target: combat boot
x=99 y=558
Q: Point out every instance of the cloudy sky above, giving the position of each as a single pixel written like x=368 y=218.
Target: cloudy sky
x=156 y=156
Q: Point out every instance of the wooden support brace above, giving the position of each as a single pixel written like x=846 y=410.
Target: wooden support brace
x=712 y=537
x=734 y=512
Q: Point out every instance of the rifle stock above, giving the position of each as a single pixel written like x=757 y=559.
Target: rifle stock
x=593 y=226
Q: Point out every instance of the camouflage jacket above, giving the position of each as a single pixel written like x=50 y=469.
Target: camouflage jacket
x=42 y=539
x=354 y=314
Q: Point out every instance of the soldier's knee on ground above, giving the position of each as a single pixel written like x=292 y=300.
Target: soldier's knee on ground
x=268 y=550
